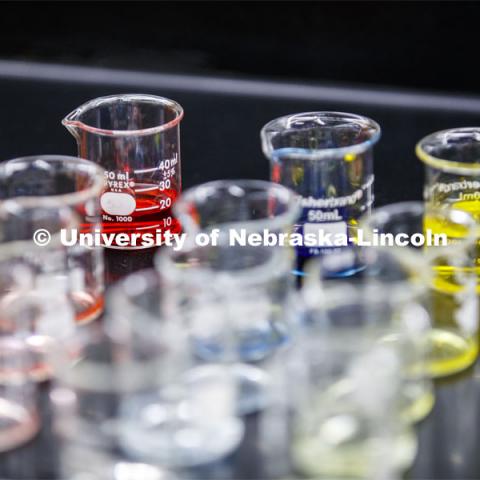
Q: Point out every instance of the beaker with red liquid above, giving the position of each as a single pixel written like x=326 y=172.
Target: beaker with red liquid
x=136 y=139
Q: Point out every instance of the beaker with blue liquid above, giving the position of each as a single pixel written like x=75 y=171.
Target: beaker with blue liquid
x=327 y=158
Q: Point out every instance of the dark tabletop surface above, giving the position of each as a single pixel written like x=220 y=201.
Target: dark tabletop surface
x=220 y=139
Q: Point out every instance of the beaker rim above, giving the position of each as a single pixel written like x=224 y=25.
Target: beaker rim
x=16 y=249
x=71 y=120
x=278 y=264
x=95 y=172
x=280 y=124
x=326 y=295
x=396 y=290
x=451 y=166
x=411 y=257
x=115 y=374
x=290 y=198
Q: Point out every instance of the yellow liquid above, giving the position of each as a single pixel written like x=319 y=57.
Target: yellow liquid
x=470 y=206
x=417 y=397
x=417 y=408
x=451 y=352
x=453 y=340
x=316 y=457
x=334 y=439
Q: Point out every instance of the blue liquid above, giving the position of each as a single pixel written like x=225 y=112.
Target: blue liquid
x=250 y=345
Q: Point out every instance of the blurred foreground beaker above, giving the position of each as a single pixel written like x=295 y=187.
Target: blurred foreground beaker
x=405 y=326
x=136 y=139
x=40 y=197
x=238 y=302
x=200 y=397
x=134 y=397
x=443 y=241
x=19 y=417
x=30 y=313
x=347 y=402
x=327 y=158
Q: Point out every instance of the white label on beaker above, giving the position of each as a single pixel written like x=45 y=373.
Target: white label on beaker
x=116 y=203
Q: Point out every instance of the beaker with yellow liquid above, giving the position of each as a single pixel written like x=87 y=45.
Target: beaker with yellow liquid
x=402 y=325
x=447 y=252
x=452 y=179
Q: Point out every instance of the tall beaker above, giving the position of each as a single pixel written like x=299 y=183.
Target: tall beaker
x=326 y=157
x=136 y=139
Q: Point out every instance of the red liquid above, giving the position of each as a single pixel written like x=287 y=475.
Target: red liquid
x=153 y=213
x=19 y=425
x=87 y=306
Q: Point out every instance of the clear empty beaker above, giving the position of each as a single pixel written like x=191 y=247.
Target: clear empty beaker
x=327 y=158
x=40 y=197
x=446 y=247
x=238 y=301
x=200 y=425
x=347 y=408
x=32 y=309
x=406 y=328
x=19 y=416
x=136 y=139
x=135 y=396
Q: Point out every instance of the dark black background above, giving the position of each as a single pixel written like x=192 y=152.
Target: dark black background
x=425 y=45
x=419 y=46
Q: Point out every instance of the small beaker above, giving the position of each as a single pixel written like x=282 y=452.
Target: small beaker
x=47 y=203
x=135 y=396
x=452 y=171
x=443 y=241
x=34 y=308
x=238 y=300
x=327 y=158
x=19 y=415
x=347 y=406
x=136 y=139
x=407 y=284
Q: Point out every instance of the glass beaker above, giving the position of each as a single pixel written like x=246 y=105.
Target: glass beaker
x=37 y=315
x=327 y=158
x=19 y=416
x=443 y=241
x=347 y=408
x=135 y=395
x=407 y=285
x=136 y=139
x=238 y=300
x=452 y=172
x=200 y=395
x=41 y=196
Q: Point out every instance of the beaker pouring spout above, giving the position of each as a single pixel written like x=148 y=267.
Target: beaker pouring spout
x=72 y=123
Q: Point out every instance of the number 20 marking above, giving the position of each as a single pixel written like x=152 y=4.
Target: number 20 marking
x=165 y=203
